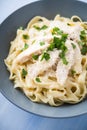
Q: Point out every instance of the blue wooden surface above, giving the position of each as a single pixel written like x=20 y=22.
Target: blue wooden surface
x=13 y=118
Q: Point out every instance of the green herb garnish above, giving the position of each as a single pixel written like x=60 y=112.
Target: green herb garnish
x=45 y=56
x=68 y=24
x=38 y=79
x=73 y=72
x=62 y=56
x=44 y=27
x=84 y=50
x=73 y=45
x=56 y=31
x=64 y=37
x=64 y=60
x=83 y=35
x=25 y=47
x=81 y=43
x=24 y=73
x=35 y=57
x=59 y=43
x=40 y=28
x=51 y=47
x=36 y=27
x=25 y=36
x=42 y=43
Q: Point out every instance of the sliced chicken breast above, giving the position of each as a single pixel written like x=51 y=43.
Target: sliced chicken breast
x=33 y=49
x=40 y=66
x=77 y=58
x=62 y=69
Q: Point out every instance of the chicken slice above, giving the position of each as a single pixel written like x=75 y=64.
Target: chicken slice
x=72 y=31
x=35 y=48
x=77 y=65
x=62 y=69
x=40 y=66
x=26 y=55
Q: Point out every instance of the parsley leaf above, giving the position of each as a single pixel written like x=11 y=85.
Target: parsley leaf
x=84 y=50
x=73 y=45
x=68 y=24
x=62 y=56
x=35 y=57
x=64 y=37
x=36 y=27
x=45 y=56
x=25 y=46
x=83 y=35
x=60 y=45
x=73 y=72
x=38 y=79
x=44 y=27
x=42 y=43
x=24 y=73
x=40 y=28
x=81 y=43
x=56 y=31
x=51 y=47
x=64 y=60
x=25 y=36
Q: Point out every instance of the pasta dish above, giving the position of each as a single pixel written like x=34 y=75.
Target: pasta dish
x=48 y=60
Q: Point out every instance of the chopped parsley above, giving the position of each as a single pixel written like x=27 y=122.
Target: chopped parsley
x=45 y=56
x=24 y=73
x=83 y=42
x=44 y=27
x=35 y=57
x=64 y=37
x=59 y=43
x=73 y=45
x=56 y=31
x=42 y=43
x=64 y=60
x=25 y=36
x=38 y=79
x=83 y=35
x=73 y=72
x=62 y=56
x=40 y=28
x=37 y=27
x=84 y=50
x=25 y=47
x=51 y=47
x=68 y=24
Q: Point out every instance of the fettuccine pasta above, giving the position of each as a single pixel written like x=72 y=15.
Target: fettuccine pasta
x=48 y=60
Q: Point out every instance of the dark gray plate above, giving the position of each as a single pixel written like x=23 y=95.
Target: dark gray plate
x=46 y=8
